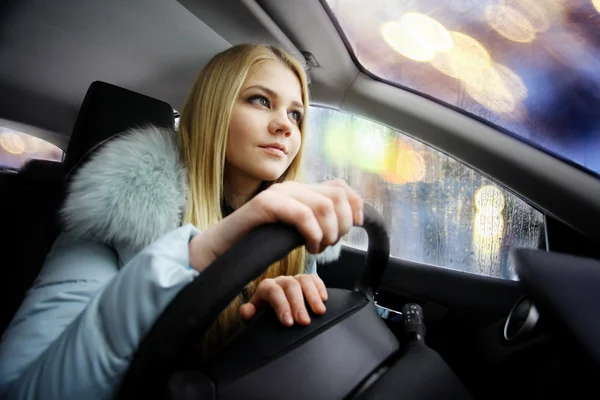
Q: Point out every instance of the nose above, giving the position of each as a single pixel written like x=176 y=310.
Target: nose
x=280 y=123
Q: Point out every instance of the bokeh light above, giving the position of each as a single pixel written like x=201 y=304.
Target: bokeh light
x=12 y=143
x=489 y=200
x=510 y=23
x=417 y=36
x=466 y=58
x=489 y=90
x=538 y=13
x=512 y=81
x=488 y=227
x=403 y=164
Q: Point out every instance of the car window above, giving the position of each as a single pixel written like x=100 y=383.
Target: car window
x=16 y=148
x=530 y=68
x=440 y=212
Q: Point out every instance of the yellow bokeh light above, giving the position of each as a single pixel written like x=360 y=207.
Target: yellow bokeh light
x=466 y=58
x=489 y=90
x=538 y=13
x=488 y=226
x=596 y=4
x=417 y=36
x=429 y=31
x=441 y=62
x=404 y=43
x=403 y=164
x=510 y=23
x=12 y=142
x=489 y=200
x=512 y=81
x=499 y=101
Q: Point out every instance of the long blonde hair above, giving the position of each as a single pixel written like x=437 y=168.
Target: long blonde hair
x=202 y=133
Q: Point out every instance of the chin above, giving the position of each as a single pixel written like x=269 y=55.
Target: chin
x=269 y=173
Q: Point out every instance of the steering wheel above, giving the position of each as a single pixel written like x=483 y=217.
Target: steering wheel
x=193 y=310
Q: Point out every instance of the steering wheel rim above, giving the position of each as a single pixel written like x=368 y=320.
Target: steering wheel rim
x=196 y=306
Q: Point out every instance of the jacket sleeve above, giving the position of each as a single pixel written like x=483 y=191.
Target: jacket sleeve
x=311 y=266
x=76 y=332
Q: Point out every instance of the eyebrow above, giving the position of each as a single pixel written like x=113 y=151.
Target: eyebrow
x=273 y=94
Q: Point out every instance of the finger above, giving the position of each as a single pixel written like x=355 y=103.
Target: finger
x=311 y=293
x=320 y=286
x=287 y=209
x=295 y=297
x=268 y=291
x=356 y=202
x=324 y=208
x=342 y=207
x=247 y=311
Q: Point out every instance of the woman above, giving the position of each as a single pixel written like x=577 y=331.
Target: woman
x=153 y=208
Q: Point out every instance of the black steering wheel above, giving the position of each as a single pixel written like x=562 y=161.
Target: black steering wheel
x=194 y=309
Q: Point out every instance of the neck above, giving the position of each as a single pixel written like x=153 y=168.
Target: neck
x=238 y=190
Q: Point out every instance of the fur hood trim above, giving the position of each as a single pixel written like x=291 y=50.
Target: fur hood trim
x=133 y=190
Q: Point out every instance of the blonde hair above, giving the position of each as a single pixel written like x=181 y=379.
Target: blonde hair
x=202 y=133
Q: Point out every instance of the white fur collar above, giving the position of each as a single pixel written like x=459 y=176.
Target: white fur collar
x=133 y=190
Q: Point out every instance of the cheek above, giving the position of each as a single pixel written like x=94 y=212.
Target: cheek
x=296 y=142
x=243 y=125
x=236 y=134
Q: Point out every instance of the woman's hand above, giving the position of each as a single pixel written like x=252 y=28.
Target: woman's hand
x=322 y=213
x=286 y=295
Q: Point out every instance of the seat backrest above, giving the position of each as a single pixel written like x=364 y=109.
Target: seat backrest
x=30 y=200
x=29 y=224
x=108 y=110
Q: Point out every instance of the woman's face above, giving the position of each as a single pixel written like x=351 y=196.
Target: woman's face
x=264 y=131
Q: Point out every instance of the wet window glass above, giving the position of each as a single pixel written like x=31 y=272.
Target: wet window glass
x=16 y=148
x=440 y=212
x=528 y=67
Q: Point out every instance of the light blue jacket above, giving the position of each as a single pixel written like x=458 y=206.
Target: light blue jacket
x=123 y=258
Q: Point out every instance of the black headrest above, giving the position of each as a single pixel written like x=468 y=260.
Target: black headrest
x=42 y=171
x=108 y=110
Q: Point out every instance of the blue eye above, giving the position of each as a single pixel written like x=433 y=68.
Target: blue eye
x=260 y=100
x=296 y=115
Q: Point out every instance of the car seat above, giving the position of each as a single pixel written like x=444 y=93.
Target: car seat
x=31 y=199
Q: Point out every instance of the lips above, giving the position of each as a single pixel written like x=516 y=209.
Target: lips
x=277 y=146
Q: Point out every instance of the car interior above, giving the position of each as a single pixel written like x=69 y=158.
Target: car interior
x=478 y=272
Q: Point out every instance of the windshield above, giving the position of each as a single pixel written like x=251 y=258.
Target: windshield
x=529 y=67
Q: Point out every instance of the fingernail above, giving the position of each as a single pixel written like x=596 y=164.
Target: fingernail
x=303 y=316
x=287 y=318
x=361 y=217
